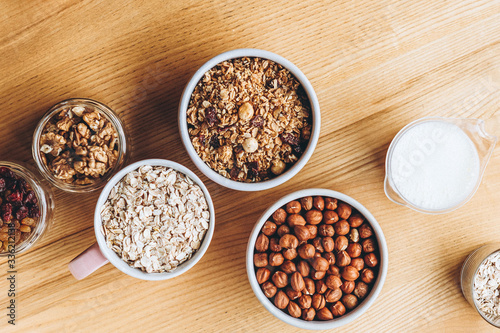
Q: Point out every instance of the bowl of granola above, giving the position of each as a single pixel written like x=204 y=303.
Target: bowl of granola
x=249 y=119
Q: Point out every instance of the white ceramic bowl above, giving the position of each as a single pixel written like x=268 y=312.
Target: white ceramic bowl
x=213 y=175
x=363 y=306
x=115 y=259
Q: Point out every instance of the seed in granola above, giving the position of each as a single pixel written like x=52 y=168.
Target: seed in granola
x=246 y=111
x=250 y=145
x=211 y=116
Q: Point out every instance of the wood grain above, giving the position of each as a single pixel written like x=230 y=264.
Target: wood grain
x=375 y=66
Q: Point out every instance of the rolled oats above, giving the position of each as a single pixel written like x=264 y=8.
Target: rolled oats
x=247 y=115
x=155 y=218
x=487 y=285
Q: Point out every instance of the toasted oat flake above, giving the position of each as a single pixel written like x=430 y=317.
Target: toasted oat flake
x=487 y=285
x=155 y=218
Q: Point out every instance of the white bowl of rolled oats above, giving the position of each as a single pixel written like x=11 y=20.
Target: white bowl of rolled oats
x=154 y=220
x=249 y=119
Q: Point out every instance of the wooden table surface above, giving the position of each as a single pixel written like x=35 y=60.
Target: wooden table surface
x=375 y=66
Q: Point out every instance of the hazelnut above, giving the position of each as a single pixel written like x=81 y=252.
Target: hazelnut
x=306 y=203
x=330 y=217
x=281 y=300
x=319 y=203
x=321 y=287
x=260 y=259
x=245 y=112
x=369 y=245
x=355 y=220
x=262 y=275
x=326 y=230
x=269 y=228
x=318 y=244
x=279 y=216
x=361 y=290
x=318 y=301
x=371 y=260
x=297 y=282
x=288 y=267
x=280 y=279
x=269 y=289
x=341 y=243
x=365 y=231
x=328 y=244
x=324 y=314
x=347 y=287
x=277 y=167
x=354 y=235
x=367 y=275
x=302 y=233
x=320 y=264
x=337 y=309
x=303 y=268
x=342 y=227
x=344 y=210
x=333 y=282
x=309 y=286
x=294 y=310
x=283 y=230
x=330 y=203
x=290 y=254
x=295 y=219
x=262 y=243
x=350 y=273
x=343 y=259
x=317 y=275
x=314 y=216
x=250 y=145
x=304 y=301
x=306 y=251
x=293 y=207
x=276 y=259
x=289 y=241
x=350 y=301
x=313 y=230
x=292 y=294
x=330 y=257
x=354 y=250
x=308 y=314
x=358 y=263
x=333 y=295
x=274 y=245
x=333 y=270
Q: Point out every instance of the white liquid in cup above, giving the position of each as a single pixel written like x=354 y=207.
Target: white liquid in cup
x=434 y=165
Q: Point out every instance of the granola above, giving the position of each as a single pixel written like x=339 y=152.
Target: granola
x=155 y=218
x=487 y=285
x=249 y=119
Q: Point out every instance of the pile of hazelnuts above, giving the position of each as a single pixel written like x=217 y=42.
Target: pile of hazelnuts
x=316 y=258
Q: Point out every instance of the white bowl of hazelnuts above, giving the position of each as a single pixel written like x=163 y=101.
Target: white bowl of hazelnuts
x=317 y=259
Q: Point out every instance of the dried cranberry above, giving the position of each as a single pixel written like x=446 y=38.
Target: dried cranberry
x=289 y=138
x=2 y=185
x=21 y=213
x=22 y=185
x=11 y=184
x=257 y=121
x=30 y=198
x=34 y=212
x=253 y=169
x=234 y=173
x=6 y=211
x=14 y=197
x=202 y=140
x=6 y=172
x=211 y=116
x=214 y=141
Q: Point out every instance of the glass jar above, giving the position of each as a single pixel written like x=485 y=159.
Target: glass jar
x=468 y=275
x=122 y=144
x=45 y=200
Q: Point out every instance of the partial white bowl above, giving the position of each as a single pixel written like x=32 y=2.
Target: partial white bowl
x=363 y=306
x=115 y=259
x=213 y=175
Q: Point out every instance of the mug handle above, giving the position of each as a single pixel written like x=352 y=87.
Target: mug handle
x=87 y=262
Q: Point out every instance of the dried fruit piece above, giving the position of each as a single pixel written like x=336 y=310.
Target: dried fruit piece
x=211 y=116
x=257 y=121
x=289 y=138
x=6 y=211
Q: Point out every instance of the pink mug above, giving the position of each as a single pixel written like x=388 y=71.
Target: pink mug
x=100 y=254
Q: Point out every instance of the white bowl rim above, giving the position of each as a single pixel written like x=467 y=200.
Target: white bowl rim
x=213 y=175
x=366 y=303
x=113 y=257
